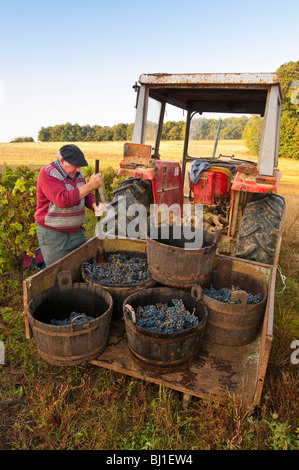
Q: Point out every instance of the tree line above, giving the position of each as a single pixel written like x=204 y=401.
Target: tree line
x=76 y=133
x=231 y=128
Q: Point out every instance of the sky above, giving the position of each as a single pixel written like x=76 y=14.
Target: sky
x=77 y=61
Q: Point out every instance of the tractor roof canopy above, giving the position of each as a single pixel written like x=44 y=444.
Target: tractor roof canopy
x=244 y=93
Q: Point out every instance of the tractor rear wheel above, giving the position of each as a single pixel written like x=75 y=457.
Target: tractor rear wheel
x=260 y=228
x=130 y=191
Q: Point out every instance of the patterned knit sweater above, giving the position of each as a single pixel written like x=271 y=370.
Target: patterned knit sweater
x=58 y=204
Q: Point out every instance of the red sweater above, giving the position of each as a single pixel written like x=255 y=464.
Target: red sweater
x=58 y=204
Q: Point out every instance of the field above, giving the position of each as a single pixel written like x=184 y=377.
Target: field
x=44 y=407
x=110 y=153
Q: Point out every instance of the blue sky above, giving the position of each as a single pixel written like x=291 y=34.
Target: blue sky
x=76 y=61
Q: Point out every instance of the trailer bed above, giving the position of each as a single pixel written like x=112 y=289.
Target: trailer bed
x=219 y=371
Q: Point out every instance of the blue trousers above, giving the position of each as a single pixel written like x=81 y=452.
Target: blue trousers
x=55 y=245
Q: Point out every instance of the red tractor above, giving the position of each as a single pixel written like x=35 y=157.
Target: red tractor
x=240 y=195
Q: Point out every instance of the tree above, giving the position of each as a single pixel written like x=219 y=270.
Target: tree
x=105 y=134
x=173 y=130
x=76 y=129
x=289 y=129
x=44 y=134
x=119 y=132
x=252 y=134
x=289 y=136
x=233 y=127
x=130 y=129
x=289 y=81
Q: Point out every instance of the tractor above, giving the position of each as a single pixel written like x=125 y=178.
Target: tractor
x=239 y=197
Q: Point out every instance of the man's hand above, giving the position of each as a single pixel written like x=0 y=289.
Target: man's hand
x=98 y=210
x=94 y=182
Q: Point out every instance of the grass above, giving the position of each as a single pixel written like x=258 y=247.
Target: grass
x=44 y=407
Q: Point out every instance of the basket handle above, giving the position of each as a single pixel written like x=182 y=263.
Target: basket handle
x=197 y=292
x=82 y=315
x=130 y=311
x=64 y=280
x=239 y=295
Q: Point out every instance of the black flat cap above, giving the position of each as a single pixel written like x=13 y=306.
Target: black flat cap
x=72 y=154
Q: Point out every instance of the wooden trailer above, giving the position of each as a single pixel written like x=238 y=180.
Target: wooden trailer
x=218 y=371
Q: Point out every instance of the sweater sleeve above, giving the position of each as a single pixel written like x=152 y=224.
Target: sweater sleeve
x=55 y=191
x=89 y=200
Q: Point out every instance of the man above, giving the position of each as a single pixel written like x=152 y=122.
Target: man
x=62 y=194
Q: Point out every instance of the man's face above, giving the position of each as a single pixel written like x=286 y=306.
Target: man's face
x=70 y=169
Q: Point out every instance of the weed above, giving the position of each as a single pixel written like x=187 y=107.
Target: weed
x=280 y=437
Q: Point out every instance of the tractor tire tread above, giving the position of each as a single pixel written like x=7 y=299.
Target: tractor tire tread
x=130 y=191
x=260 y=228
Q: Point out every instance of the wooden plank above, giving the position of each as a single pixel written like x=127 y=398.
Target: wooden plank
x=123 y=243
x=234 y=213
x=267 y=337
x=260 y=271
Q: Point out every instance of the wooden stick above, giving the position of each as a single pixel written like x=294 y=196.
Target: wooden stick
x=97 y=193
x=101 y=256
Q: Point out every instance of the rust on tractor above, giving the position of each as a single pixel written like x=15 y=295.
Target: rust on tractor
x=137 y=150
x=210 y=79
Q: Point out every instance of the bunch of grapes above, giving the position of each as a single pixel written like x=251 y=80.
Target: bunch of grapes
x=163 y=318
